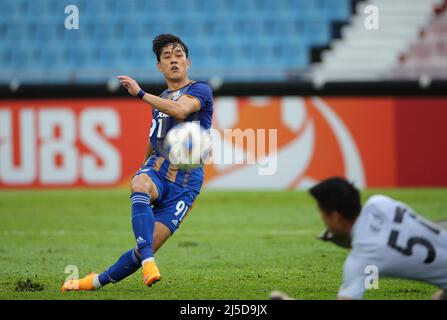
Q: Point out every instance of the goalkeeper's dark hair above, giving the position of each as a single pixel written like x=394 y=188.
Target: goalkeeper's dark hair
x=337 y=194
x=165 y=39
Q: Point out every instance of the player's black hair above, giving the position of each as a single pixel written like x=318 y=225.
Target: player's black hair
x=337 y=194
x=163 y=40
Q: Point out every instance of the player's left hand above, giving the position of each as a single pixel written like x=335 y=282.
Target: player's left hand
x=130 y=84
x=440 y=295
x=339 y=240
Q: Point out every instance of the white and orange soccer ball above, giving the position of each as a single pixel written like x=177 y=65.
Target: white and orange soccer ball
x=188 y=145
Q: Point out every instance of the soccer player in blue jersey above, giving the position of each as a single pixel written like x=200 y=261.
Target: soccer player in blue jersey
x=162 y=194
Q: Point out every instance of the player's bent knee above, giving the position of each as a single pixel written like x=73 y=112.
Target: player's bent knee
x=142 y=183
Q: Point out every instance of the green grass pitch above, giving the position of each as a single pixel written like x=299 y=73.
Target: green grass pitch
x=233 y=245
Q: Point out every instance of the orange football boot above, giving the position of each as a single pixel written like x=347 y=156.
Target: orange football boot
x=151 y=274
x=84 y=284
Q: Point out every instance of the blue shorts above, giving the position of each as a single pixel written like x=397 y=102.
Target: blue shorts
x=174 y=201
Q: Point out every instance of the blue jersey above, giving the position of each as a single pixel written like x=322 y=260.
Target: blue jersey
x=162 y=123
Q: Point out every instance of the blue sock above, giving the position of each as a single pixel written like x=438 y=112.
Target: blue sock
x=127 y=264
x=143 y=224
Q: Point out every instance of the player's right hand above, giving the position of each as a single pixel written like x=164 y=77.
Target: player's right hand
x=130 y=84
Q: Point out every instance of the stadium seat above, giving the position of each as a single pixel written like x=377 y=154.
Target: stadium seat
x=427 y=54
x=370 y=54
x=236 y=38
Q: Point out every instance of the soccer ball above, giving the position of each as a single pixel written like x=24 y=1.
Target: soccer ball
x=188 y=145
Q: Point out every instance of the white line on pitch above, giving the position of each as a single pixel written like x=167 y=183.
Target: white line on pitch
x=62 y=233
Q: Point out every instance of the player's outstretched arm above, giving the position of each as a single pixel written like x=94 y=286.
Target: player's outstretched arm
x=178 y=109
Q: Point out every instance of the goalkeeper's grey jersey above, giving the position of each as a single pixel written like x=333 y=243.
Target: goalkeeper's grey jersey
x=390 y=238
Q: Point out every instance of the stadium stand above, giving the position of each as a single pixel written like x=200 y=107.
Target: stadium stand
x=231 y=40
x=427 y=56
x=250 y=40
x=364 y=54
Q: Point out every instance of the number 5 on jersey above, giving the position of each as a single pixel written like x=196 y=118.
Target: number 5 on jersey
x=411 y=242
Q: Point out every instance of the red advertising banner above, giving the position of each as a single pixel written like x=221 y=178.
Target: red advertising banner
x=374 y=141
x=71 y=143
